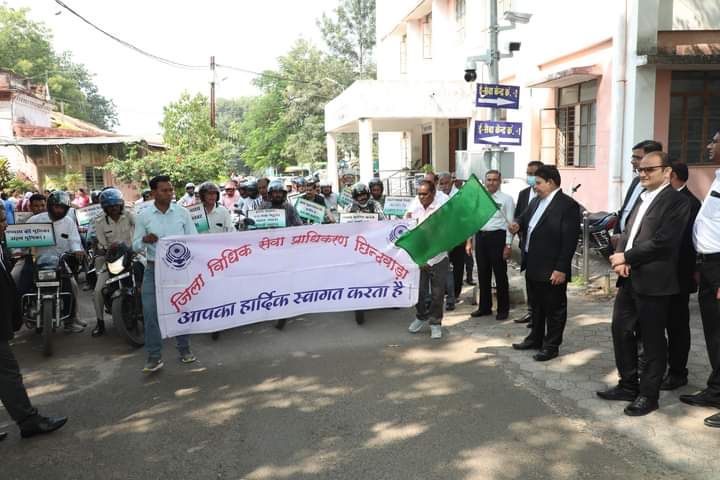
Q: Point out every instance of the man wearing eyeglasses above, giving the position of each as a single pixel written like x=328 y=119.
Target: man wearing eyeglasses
x=230 y=196
x=633 y=193
x=706 y=238
x=646 y=261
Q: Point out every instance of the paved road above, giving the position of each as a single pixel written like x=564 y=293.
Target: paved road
x=323 y=399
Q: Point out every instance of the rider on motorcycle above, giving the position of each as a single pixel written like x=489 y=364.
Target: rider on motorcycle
x=67 y=240
x=376 y=191
x=276 y=196
x=253 y=199
x=114 y=226
x=218 y=217
x=362 y=203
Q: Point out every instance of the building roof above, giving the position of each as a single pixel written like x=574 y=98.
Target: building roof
x=80 y=140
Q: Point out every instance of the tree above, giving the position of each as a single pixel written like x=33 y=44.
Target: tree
x=5 y=174
x=26 y=49
x=195 y=151
x=350 y=34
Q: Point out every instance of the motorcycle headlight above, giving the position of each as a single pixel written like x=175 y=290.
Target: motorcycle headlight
x=116 y=266
x=47 y=275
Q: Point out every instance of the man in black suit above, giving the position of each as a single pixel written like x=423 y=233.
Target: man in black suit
x=549 y=228
x=12 y=391
x=523 y=200
x=646 y=261
x=678 y=328
x=633 y=193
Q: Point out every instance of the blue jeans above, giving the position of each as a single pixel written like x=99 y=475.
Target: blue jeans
x=153 y=338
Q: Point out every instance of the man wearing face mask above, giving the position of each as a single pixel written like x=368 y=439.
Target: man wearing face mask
x=523 y=200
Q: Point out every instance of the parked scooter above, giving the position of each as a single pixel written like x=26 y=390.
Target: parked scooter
x=52 y=303
x=121 y=293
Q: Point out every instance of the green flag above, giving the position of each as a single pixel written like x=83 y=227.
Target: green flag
x=453 y=223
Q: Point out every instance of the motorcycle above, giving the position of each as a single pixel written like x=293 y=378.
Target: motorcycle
x=121 y=293
x=52 y=303
x=600 y=226
x=88 y=265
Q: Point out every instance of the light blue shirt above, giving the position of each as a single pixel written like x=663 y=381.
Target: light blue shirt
x=175 y=221
x=542 y=205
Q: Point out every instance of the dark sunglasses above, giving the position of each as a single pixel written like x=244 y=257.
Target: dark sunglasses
x=648 y=169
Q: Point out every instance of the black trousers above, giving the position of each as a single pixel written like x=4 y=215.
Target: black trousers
x=489 y=256
x=549 y=314
x=12 y=391
x=432 y=291
x=468 y=266
x=710 y=313
x=649 y=314
x=457 y=259
x=678 y=333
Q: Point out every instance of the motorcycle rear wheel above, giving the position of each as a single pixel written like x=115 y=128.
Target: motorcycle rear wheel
x=127 y=318
x=46 y=312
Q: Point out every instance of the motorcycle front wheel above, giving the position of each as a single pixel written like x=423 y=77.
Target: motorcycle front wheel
x=127 y=318
x=46 y=312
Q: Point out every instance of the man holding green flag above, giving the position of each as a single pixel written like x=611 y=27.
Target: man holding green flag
x=442 y=224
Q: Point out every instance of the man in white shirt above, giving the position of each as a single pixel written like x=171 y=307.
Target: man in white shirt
x=433 y=276
x=706 y=237
x=67 y=240
x=189 y=198
x=457 y=254
x=218 y=217
x=493 y=245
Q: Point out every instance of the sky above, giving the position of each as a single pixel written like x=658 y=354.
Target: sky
x=242 y=33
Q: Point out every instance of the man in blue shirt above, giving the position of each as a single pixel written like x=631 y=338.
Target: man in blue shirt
x=153 y=223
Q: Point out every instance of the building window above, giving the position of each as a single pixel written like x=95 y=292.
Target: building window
x=460 y=11
x=403 y=54
x=568 y=131
x=427 y=36
x=94 y=178
x=694 y=115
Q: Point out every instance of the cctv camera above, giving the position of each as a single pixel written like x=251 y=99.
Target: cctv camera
x=514 y=46
x=517 y=17
x=470 y=75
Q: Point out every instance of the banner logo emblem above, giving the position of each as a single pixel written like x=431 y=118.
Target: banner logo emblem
x=397 y=232
x=178 y=256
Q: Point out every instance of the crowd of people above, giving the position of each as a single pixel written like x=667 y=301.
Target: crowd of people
x=666 y=243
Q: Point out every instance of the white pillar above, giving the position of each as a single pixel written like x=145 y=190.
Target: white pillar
x=366 y=149
x=440 y=145
x=332 y=161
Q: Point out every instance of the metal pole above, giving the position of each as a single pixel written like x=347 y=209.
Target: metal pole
x=212 y=91
x=586 y=248
x=494 y=74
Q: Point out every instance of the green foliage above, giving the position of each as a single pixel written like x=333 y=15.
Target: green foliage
x=195 y=152
x=5 y=174
x=350 y=34
x=26 y=49
x=17 y=183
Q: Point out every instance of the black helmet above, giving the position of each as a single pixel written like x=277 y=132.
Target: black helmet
x=300 y=182
x=111 y=197
x=208 y=187
x=251 y=186
x=376 y=181
x=95 y=196
x=146 y=194
x=58 y=197
x=358 y=189
x=276 y=186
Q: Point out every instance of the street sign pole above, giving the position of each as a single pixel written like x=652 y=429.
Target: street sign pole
x=494 y=75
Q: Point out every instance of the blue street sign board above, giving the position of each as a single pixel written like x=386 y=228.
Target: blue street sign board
x=493 y=95
x=498 y=133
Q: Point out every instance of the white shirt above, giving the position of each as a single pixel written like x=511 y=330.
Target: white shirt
x=498 y=221
x=187 y=200
x=247 y=204
x=542 y=205
x=647 y=199
x=67 y=238
x=417 y=211
x=629 y=206
x=706 y=231
x=220 y=220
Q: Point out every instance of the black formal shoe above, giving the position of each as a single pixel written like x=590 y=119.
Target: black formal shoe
x=39 y=425
x=618 y=393
x=501 y=316
x=470 y=281
x=3 y=436
x=450 y=307
x=642 y=405
x=480 y=313
x=545 y=354
x=713 y=421
x=671 y=382
x=525 y=345
x=99 y=329
x=701 y=399
x=524 y=319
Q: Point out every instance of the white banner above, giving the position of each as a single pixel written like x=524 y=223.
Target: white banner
x=358 y=217
x=207 y=283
